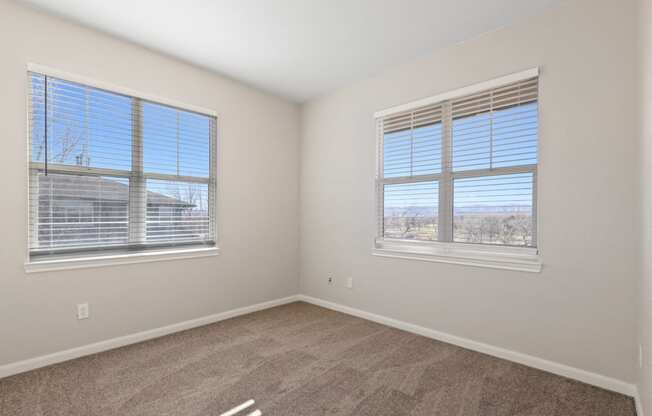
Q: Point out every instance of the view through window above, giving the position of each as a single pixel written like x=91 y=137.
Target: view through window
x=462 y=170
x=110 y=171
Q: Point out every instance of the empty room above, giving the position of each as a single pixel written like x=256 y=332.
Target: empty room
x=312 y=207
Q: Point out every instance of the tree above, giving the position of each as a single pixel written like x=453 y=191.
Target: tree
x=66 y=144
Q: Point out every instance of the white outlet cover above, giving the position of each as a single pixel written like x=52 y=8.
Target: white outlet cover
x=82 y=311
x=349 y=283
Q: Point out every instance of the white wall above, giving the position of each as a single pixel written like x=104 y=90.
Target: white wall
x=645 y=286
x=580 y=311
x=258 y=182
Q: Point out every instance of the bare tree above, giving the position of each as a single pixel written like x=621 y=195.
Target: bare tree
x=68 y=144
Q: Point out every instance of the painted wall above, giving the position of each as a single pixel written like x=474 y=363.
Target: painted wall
x=580 y=310
x=258 y=211
x=645 y=286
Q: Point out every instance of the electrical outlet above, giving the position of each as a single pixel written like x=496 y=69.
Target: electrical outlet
x=331 y=280
x=640 y=355
x=82 y=311
x=349 y=283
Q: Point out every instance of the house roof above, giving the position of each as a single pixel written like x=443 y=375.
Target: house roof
x=100 y=188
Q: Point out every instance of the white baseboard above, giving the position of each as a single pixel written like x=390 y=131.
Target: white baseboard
x=598 y=380
x=57 y=357
x=542 y=364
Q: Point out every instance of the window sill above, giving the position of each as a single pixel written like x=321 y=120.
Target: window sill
x=524 y=259
x=81 y=262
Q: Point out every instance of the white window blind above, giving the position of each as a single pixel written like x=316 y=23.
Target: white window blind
x=115 y=172
x=461 y=169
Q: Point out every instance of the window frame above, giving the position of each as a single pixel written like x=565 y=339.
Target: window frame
x=78 y=258
x=444 y=248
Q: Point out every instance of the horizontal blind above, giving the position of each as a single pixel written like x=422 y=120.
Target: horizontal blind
x=76 y=211
x=411 y=153
x=494 y=209
x=175 y=142
x=410 y=210
x=423 y=116
x=494 y=149
x=462 y=169
x=412 y=143
x=110 y=171
x=86 y=127
x=177 y=211
x=496 y=128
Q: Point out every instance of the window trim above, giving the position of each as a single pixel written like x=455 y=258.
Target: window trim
x=484 y=255
x=525 y=259
x=459 y=92
x=92 y=260
x=118 y=256
x=95 y=83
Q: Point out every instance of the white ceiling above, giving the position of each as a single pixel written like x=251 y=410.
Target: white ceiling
x=298 y=49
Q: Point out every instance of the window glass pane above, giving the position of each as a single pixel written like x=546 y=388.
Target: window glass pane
x=502 y=138
x=411 y=210
x=86 y=126
x=493 y=209
x=175 y=142
x=37 y=117
x=515 y=135
x=426 y=150
x=75 y=210
x=177 y=211
x=413 y=152
x=472 y=142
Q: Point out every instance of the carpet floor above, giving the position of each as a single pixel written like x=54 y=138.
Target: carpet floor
x=299 y=359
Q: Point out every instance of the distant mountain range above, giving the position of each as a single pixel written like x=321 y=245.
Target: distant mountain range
x=422 y=211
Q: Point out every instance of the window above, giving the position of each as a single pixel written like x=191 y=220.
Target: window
x=457 y=173
x=109 y=171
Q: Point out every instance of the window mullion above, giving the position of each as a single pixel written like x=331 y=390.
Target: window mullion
x=137 y=189
x=445 y=220
x=412 y=179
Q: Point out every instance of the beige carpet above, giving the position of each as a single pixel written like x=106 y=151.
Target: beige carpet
x=299 y=359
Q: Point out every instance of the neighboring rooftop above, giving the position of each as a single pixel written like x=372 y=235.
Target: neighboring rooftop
x=104 y=189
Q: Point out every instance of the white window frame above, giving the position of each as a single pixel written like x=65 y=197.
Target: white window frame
x=445 y=250
x=90 y=259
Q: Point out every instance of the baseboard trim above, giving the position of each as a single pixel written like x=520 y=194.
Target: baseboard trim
x=598 y=380
x=588 y=377
x=57 y=357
